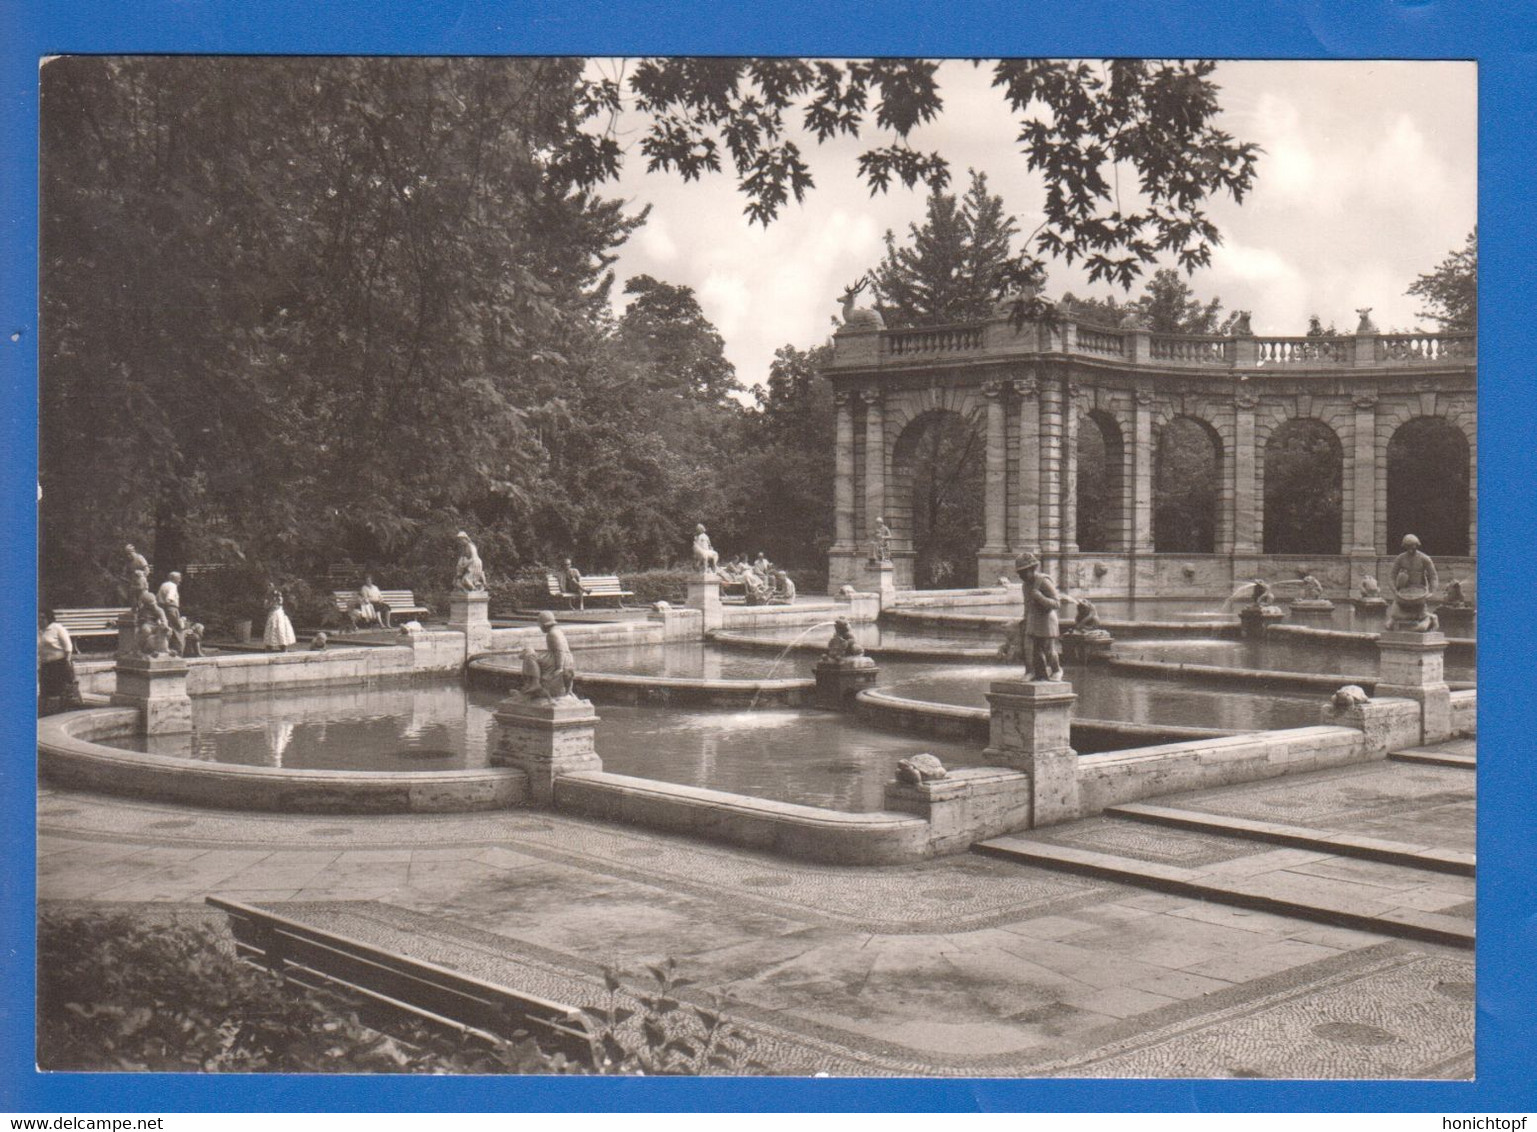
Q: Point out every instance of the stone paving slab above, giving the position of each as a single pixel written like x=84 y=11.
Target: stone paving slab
x=1431 y=807
x=960 y=966
x=1276 y=882
x=1302 y=837
x=1462 y=753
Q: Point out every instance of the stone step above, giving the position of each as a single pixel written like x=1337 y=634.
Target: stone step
x=1364 y=907
x=1435 y=756
x=1303 y=837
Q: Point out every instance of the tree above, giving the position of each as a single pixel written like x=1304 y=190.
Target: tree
x=1450 y=292
x=1316 y=328
x=1080 y=122
x=685 y=352
x=954 y=265
x=300 y=309
x=1169 y=306
x=779 y=480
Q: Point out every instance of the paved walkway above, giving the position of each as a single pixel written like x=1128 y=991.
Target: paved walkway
x=975 y=965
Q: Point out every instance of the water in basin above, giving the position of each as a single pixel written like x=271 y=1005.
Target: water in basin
x=1274 y=653
x=814 y=758
x=1104 y=694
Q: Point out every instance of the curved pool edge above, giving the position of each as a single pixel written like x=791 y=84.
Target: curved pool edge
x=68 y=755
x=747 y=642
x=892 y=712
x=654 y=691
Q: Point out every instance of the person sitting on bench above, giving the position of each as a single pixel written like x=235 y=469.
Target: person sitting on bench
x=371 y=603
x=571 y=583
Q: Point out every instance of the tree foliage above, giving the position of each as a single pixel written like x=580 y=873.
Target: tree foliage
x=1167 y=305
x=1081 y=124
x=1450 y=292
x=954 y=265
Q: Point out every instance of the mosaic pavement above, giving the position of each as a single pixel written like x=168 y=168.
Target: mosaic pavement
x=962 y=966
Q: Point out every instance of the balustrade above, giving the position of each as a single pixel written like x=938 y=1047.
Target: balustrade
x=1301 y=351
x=1209 y=351
x=1093 y=340
x=935 y=340
x=1424 y=347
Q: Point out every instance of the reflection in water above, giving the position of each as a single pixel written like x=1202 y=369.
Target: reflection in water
x=814 y=758
x=1103 y=694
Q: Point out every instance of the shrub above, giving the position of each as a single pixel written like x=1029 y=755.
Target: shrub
x=669 y=585
x=659 y=1035
x=116 y=992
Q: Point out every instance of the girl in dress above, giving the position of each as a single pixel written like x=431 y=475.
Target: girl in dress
x=280 y=630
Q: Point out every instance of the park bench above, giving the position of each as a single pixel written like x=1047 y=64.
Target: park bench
x=399 y=601
x=90 y=622
x=328 y=961
x=597 y=585
x=343 y=573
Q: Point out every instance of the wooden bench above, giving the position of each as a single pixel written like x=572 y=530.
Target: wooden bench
x=327 y=961
x=343 y=573
x=596 y=585
x=90 y=622
x=399 y=601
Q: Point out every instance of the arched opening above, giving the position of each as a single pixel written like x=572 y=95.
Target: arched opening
x=1186 y=486
x=1101 y=483
x=1304 y=485
x=936 y=497
x=1428 y=486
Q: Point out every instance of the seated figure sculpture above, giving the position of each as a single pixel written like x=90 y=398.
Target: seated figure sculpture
x=549 y=675
x=1414 y=580
x=152 y=635
x=469 y=571
x=1311 y=589
x=843 y=646
x=1369 y=588
x=706 y=558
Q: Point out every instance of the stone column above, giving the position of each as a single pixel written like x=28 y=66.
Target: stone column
x=843 y=556
x=1141 y=479
x=545 y=739
x=1362 y=540
x=843 y=474
x=1411 y=665
x=1248 y=507
x=1072 y=409
x=1027 y=498
x=1052 y=395
x=469 y=613
x=993 y=558
x=875 y=463
x=1031 y=730
x=157 y=686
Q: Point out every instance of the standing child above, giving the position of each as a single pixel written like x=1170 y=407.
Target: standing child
x=279 y=633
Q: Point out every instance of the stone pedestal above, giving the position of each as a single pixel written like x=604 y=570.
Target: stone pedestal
x=1457 y=620
x=127 y=628
x=1410 y=665
x=1031 y=731
x=881 y=580
x=704 y=595
x=1088 y=647
x=677 y=624
x=1254 y=618
x=545 y=739
x=158 y=688
x=470 y=614
x=839 y=681
x=1312 y=605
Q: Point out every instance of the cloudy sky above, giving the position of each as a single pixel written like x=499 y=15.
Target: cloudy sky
x=1368 y=178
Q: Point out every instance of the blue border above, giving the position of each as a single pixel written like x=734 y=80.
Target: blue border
x=1499 y=35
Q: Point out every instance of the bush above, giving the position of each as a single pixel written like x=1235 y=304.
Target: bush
x=120 y=992
x=669 y=585
x=116 y=992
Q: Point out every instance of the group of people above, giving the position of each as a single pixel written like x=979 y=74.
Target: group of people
x=761 y=583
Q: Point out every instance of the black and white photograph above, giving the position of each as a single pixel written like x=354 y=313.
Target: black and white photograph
x=757 y=566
